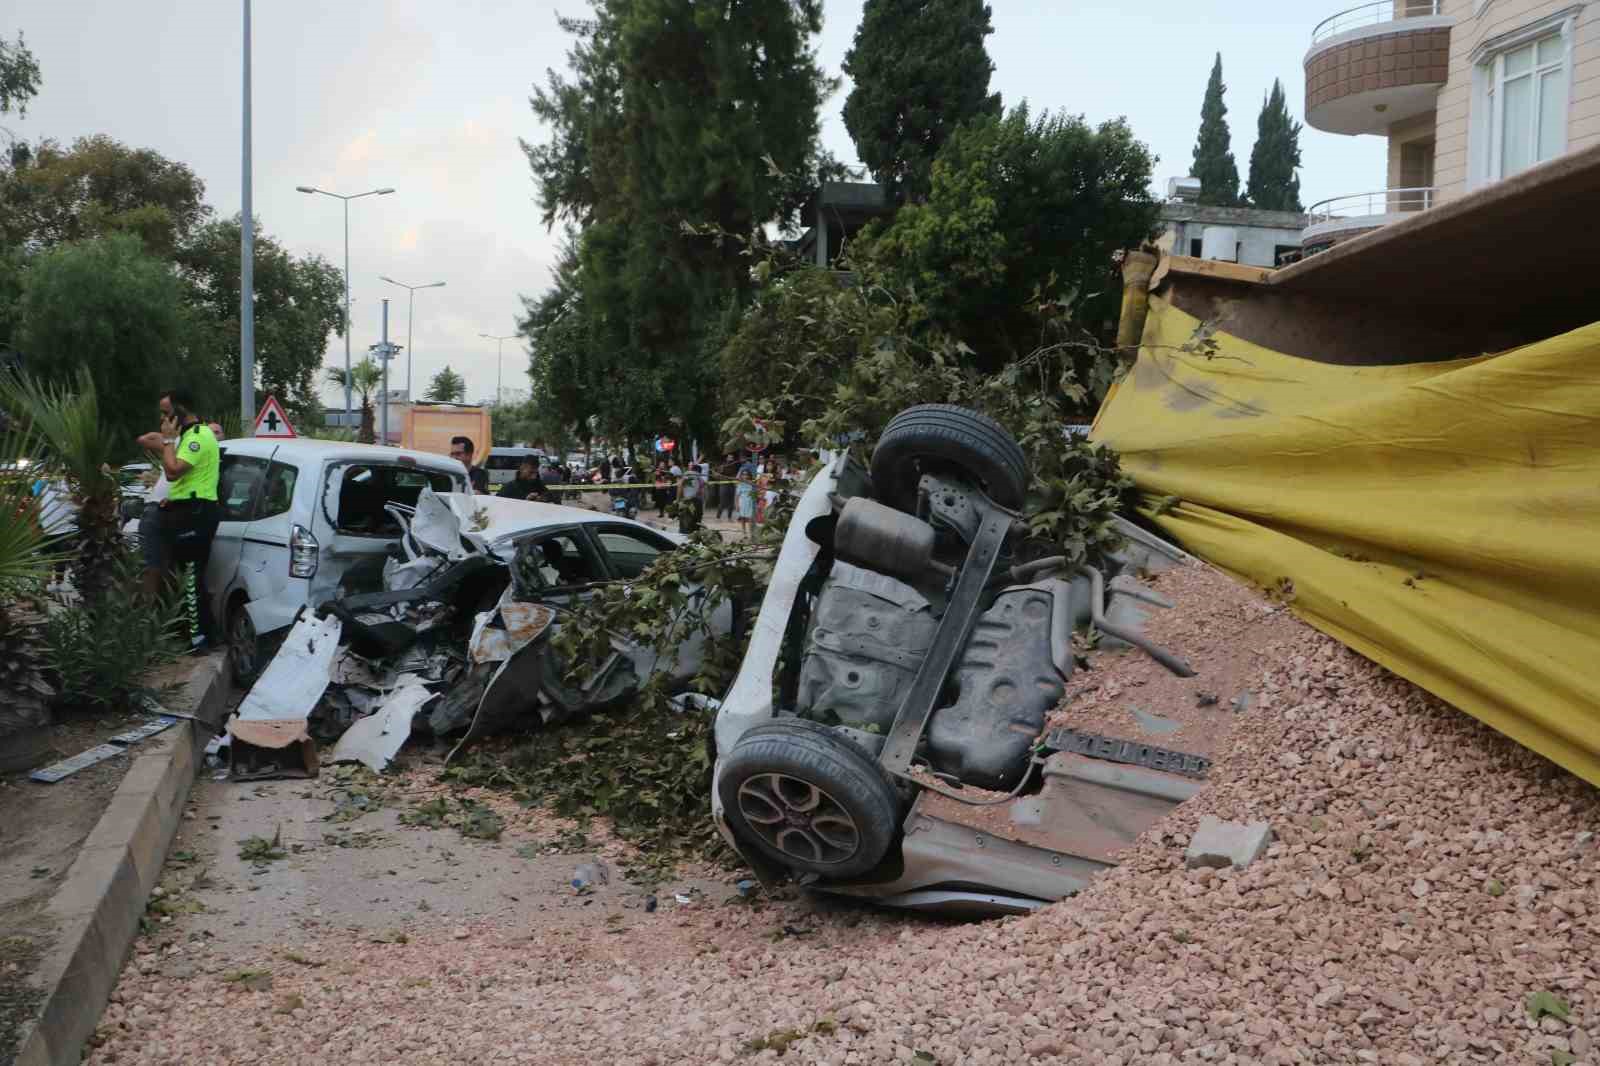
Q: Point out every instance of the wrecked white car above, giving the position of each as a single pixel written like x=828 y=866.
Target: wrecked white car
x=901 y=668
x=303 y=521
x=458 y=640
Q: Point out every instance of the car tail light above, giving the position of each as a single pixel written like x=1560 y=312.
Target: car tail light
x=303 y=549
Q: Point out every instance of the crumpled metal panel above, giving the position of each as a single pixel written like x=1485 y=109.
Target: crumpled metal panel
x=1008 y=683
x=377 y=738
x=520 y=624
x=869 y=634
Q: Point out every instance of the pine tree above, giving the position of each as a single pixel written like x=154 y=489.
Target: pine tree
x=1274 y=186
x=920 y=70
x=1213 y=153
x=447 y=387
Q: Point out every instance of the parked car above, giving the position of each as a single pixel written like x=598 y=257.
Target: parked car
x=502 y=464
x=304 y=521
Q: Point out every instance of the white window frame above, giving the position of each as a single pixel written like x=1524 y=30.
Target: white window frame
x=1487 y=128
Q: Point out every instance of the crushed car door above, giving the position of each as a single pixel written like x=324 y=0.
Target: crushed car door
x=628 y=552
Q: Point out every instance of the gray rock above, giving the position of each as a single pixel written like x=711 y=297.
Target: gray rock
x=1154 y=723
x=1242 y=701
x=1218 y=843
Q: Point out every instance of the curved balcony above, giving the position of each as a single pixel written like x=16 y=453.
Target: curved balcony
x=1377 y=64
x=1343 y=217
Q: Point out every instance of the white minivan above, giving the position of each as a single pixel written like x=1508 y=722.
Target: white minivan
x=501 y=464
x=305 y=521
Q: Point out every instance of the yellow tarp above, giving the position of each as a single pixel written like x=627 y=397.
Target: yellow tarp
x=1442 y=519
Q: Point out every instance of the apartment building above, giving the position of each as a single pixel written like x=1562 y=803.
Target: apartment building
x=1467 y=92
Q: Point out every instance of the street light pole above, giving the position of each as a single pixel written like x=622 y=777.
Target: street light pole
x=499 y=360
x=247 y=262
x=411 y=307
x=353 y=196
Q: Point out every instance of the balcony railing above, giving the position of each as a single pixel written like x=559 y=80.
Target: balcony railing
x=1369 y=204
x=1375 y=14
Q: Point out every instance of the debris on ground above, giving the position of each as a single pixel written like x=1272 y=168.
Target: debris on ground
x=1319 y=951
x=1217 y=844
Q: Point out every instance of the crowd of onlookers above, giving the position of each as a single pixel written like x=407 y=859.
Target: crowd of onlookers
x=741 y=487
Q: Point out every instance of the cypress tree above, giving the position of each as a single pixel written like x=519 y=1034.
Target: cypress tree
x=1213 y=154
x=919 y=69
x=1274 y=185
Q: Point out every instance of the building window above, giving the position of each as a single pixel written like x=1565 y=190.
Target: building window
x=1195 y=247
x=1525 y=97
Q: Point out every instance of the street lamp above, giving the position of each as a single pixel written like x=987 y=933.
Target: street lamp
x=499 y=377
x=411 y=307
x=346 y=199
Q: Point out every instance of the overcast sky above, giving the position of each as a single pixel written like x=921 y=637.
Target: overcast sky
x=430 y=98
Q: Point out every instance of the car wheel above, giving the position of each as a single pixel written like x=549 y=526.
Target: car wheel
x=246 y=652
x=934 y=436
x=808 y=799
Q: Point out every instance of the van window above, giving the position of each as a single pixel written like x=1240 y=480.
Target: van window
x=238 y=477
x=506 y=462
x=278 y=493
x=367 y=489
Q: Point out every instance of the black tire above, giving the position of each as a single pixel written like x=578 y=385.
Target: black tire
x=808 y=799
x=931 y=436
x=248 y=653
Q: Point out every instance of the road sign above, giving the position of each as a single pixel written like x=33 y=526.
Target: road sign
x=272 y=422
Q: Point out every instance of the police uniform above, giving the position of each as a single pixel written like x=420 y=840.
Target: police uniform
x=189 y=522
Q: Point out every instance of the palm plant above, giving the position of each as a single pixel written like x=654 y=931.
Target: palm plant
x=67 y=421
x=25 y=565
x=366 y=377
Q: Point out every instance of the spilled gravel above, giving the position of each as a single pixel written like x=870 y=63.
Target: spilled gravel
x=1430 y=879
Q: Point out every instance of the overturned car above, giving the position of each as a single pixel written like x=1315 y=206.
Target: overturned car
x=885 y=736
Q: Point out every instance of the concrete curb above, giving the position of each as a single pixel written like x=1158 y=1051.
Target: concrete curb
x=99 y=905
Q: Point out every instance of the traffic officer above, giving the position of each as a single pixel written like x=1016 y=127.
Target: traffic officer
x=191 y=460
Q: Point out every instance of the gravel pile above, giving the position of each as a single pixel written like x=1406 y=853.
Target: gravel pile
x=1429 y=878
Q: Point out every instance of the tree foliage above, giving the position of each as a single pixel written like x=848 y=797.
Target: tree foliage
x=19 y=76
x=1274 y=185
x=99 y=186
x=674 y=113
x=111 y=308
x=920 y=70
x=1213 y=151
x=1020 y=208
x=299 y=301
x=366 y=378
x=447 y=386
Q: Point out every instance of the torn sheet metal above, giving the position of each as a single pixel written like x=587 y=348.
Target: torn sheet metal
x=436 y=526
x=294 y=681
x=374 y=740
x=270 y=731
x=81 y=761
x=520 y=624
x=149 y=728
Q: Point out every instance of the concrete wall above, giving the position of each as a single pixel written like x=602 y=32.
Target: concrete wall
x=1480 y=21
x=1259 y=233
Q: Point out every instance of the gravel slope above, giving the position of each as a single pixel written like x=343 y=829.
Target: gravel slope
x=1428 y=878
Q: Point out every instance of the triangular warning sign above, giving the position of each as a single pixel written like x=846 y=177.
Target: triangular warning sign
x=271 y=421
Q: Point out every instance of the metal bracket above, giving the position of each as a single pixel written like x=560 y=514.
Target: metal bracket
x=952 y=505
x=954 y=629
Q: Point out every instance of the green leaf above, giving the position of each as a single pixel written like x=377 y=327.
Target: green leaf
x=1544 y=1002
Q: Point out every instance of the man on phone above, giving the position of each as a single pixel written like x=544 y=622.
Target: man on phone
x=191 y=462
